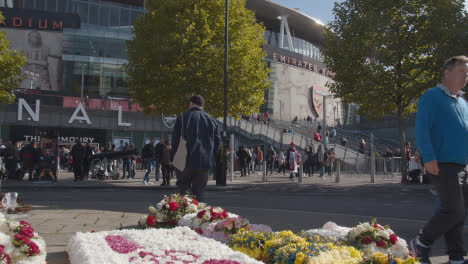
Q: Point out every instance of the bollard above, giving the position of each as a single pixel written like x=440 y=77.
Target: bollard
x=338 y=171
x=265 y=171
x=301 y=172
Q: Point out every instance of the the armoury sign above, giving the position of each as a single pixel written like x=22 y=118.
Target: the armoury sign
x=83 y=140
x=298 y=60
x=41 y=20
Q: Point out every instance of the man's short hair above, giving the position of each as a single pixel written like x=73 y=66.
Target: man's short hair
x=198 y=100
x=452 y=62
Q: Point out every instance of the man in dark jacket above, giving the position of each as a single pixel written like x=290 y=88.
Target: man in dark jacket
x=271 y=155
x=77 y=153
x=28 y=155
x=201 y=131
x=242 y=156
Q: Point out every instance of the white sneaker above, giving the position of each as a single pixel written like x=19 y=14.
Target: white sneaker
x=150 y=183
x=145 y=183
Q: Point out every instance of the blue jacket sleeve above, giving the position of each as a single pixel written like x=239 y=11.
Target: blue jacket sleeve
x=176 y=136
x=424 y=123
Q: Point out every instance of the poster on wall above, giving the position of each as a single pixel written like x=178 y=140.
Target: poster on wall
x=119 y=142
x=43 y=49
x=317 y=100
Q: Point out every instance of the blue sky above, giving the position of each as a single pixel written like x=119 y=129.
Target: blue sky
x=319 y=9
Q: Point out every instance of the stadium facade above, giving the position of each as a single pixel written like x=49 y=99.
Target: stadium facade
x=77 y=49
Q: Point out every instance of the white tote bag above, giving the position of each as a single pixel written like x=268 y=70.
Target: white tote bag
x=180 y=156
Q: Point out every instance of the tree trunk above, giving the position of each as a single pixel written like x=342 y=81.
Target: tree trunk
x=401 y=133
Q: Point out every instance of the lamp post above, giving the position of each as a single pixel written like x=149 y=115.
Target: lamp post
x=226 y=40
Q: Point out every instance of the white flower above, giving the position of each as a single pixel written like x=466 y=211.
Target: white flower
x=142 y=221
x=159 y=217
x=207 y=216
x=192 y=208
x=159 y=206
x=13 y=225
x=383 y=233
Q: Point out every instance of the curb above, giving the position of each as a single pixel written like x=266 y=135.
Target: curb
x=115 y=187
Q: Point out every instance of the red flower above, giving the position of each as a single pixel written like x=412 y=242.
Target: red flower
x=201 y=213
x=2 y=249
x=195 y=201
x=33 y=249
x=214 y=215
x=199 y=231
x=393 y=239
x=171 y=222
x=225 y=214
x=27 y=231
x=381 y=243
x=366 y=240
x=150 y=221
x=20 y=237
x=173 y=206
x=185 y=204
x=7 y=257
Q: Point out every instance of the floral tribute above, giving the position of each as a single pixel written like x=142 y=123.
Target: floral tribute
x=163 y=246
x=169 y=211
x=12 y=204
x=19 y=244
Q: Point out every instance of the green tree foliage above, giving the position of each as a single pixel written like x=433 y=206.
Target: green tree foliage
x=178 y=51
x=11 y=63
x=386 y=53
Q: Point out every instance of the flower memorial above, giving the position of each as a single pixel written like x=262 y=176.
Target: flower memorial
x=19 y=244
x=366 y=243
x=12 y=204
x=163 y=246
x=170 y=210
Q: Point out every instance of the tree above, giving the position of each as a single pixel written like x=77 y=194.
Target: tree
x=178 y=51
x=385 y=54
x=11 y=63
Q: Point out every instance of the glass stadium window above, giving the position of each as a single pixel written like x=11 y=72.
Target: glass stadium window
x=40 y=4
x=124 y=17
x=93 y=14
x=114 y=16
x=104 y=16
x=83 y=12
x=62 y=6
x=52 y=5
x=29 y=4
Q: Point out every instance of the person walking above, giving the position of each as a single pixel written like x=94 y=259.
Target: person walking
x=165 y=161
x=147 y=154
x=27 y=157
x=77 y=153
x=201 y=132
x=321 y=161
x=158 y=151
x=282 y=160
x=88 y=155
x=126 y=163
x=271 y=155
x=243 y=156
x=442 y=139
x=294 y=161
x=260 y=158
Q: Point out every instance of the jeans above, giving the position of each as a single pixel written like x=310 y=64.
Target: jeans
x=127 y=168
x=149 y=163
x=448 y=221
x=322 y=170
x=156 y=168
x=291 y=175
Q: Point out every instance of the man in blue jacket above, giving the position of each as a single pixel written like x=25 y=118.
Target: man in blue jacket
x=201 y=131
x=442 y=139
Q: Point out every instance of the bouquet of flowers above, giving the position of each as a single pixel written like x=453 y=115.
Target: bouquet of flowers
x=23 y=239
x=211 y=214
x=170 y=210
x=232 y=225
x=372 y=238
x=12 y=204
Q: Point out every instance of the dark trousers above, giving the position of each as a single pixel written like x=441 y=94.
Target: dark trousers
x=86 y=165
x=449 y=220
x=166 y=173
x=282 y=168
x=193 y=180
x=78 y=171
x=243 y=167
x=271 y=166
x=126 y=165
